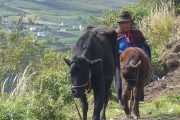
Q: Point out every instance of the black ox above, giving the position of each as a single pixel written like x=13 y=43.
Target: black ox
x=92 y=67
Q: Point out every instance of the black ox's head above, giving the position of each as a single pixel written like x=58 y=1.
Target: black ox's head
x=80 y=71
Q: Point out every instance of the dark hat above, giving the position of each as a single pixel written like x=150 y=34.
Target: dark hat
x=125 y=16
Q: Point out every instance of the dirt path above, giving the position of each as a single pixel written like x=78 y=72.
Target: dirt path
x=167 y=85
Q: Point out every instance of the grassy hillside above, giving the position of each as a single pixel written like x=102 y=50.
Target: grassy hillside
x=59 y=10
x=49 y=14
x=42 y=89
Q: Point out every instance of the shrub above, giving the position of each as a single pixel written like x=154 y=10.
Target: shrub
x=109 y=18
x=41 y=96
x=157 y=28
x=15 y=109
x=44 y=107
x=138 y=11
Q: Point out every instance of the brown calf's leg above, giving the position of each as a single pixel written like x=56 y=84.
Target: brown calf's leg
x=131 y=102
x=125 y=101
x=135 y=108
x=124 y=97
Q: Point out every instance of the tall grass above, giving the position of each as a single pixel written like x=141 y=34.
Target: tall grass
x=158 y=25
x=160 y=22
x=157 y=28
x=21 y=86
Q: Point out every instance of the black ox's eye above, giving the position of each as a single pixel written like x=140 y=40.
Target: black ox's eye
x=74 y=70
x=77 y=64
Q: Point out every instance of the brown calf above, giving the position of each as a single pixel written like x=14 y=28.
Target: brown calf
x=135 y=70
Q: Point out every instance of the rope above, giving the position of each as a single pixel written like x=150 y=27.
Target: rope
x=86 y=91
x=84 y=85
x=77 y=109
x=79 y=86
x=67 y=78
x=153 y=78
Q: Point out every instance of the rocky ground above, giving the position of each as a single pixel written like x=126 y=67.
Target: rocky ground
x=170 y=82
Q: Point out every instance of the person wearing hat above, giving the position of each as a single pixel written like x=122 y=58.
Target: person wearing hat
x=128 y=36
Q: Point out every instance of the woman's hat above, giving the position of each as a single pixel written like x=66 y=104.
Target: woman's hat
x=125 y=16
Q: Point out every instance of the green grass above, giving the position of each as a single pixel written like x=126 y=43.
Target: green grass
x=164 y=108
x=166 y=105
x=98 y=5
x=71 y=39
x=68 y=40
x=113 y=110
x=7 y=13
x=26 y=4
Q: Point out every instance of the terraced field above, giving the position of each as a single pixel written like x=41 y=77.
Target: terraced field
x=51 y=13
x=58 y=10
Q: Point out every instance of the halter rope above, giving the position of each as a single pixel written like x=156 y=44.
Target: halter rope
x=86 y=91
x=84 y=85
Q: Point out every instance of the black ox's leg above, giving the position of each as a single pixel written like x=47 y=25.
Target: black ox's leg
x=98 y=100
x=106 y=100
x=98 y=90
x=84 y=106
x=98 y=103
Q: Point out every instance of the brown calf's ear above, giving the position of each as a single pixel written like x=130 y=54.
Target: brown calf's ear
x=67 y=61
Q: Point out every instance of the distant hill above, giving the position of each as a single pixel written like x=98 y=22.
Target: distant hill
x=55 y=11
x=60 y=20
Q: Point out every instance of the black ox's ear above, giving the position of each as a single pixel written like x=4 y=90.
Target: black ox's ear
x=67 y=61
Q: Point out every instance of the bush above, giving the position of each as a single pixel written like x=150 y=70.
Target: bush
x=42 y=89
x=177 y=4
x=45 y=108
x=36 y=107
x=17 y=109
x=138 y=11
x=157 y=28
